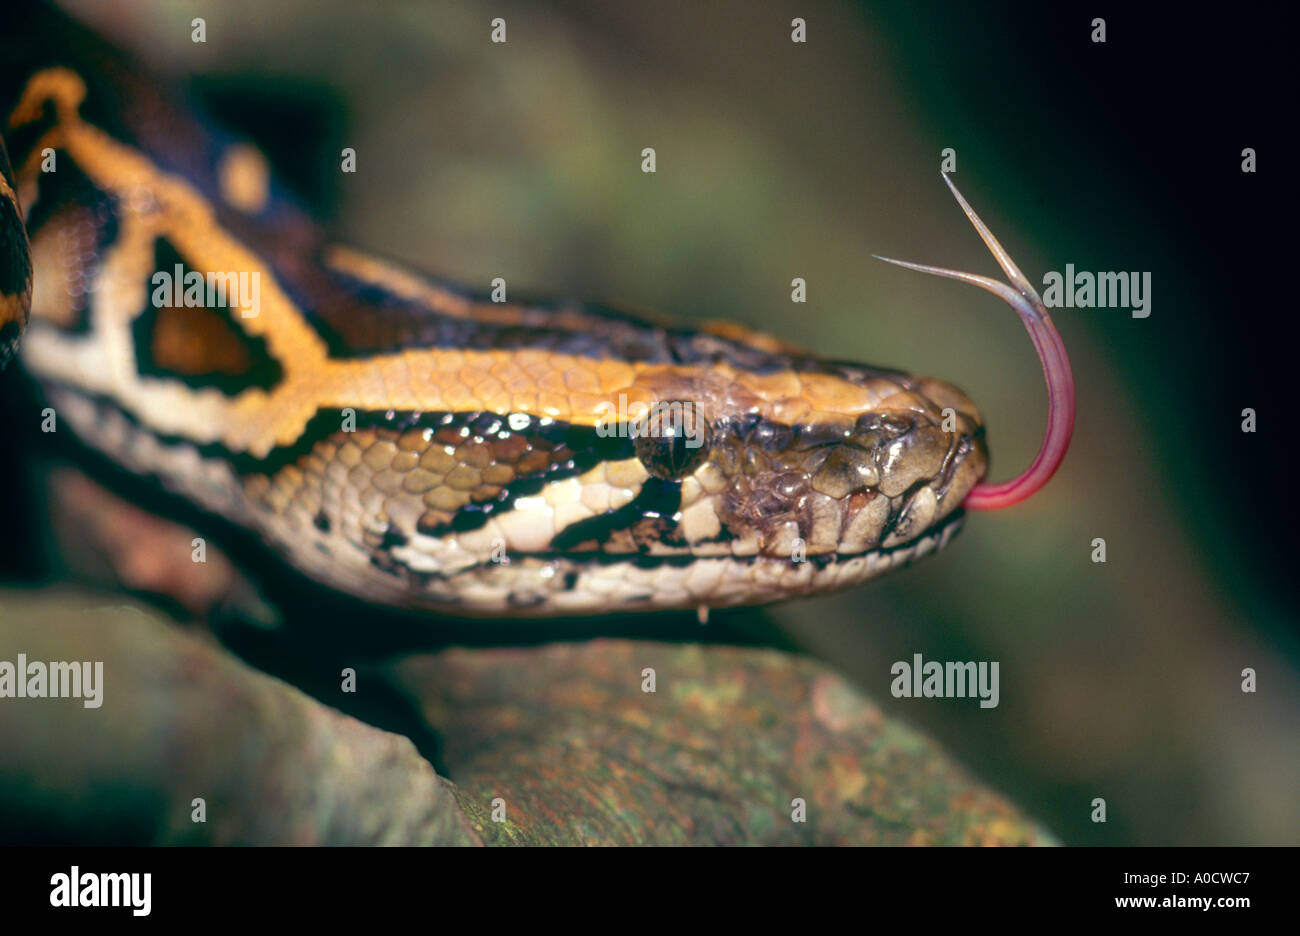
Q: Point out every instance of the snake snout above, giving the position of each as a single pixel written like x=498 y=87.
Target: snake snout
x=899 y=473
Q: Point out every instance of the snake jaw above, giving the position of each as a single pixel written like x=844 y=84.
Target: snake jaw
x=1024 y=299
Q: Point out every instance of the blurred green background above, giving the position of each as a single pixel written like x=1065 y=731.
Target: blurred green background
x=778 y=160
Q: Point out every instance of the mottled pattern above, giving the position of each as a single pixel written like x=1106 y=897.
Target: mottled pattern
x=400 y=439
x=566 y=737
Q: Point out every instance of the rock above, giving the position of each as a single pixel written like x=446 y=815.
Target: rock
x=731 y=745
x=578 y=753
x=182 y=719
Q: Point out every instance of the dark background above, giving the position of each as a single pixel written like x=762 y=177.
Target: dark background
x=775 y=160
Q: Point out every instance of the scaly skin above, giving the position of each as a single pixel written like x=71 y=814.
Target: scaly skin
x=401 y=440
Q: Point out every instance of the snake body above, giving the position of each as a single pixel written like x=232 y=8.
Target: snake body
x=405 y=441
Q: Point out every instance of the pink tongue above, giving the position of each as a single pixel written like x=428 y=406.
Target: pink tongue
x=1051 y=351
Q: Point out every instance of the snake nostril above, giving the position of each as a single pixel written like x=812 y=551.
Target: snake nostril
x=872 y=427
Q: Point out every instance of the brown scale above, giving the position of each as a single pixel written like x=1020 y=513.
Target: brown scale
x=194 y=341
x=446 y=469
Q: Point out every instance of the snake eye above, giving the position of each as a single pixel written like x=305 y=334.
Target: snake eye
x=672 y=440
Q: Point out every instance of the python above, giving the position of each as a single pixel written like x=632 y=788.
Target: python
x=477 y=423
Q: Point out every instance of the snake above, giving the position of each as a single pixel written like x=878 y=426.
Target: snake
x=425 y=446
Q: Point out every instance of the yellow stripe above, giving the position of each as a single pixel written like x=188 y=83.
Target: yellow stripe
x=565 y=387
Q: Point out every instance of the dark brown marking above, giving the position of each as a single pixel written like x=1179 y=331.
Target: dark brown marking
x=202 y=346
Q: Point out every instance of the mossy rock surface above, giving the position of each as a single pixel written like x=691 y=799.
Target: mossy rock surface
x=563 y=737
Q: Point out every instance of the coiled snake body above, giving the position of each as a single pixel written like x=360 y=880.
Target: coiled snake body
x=403 y=441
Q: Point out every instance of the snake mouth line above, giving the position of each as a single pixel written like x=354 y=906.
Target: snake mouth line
x=933 y=538
x=637 y=582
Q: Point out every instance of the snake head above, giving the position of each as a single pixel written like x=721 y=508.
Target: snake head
x=872 y=487
x=757 y=485
x=773 y=474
